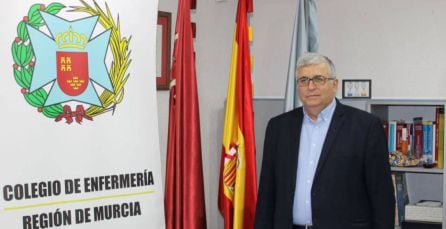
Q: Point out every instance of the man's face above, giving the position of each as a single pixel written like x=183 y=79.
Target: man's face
x=316 y=96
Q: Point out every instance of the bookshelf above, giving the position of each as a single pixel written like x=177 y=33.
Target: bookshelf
x=421 y=183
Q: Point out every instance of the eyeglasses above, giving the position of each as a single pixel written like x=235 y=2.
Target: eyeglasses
x=317 y=80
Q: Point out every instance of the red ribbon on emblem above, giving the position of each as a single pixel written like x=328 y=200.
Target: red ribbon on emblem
x=78 y=115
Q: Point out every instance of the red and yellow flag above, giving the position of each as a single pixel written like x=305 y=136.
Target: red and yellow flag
x=238 y=185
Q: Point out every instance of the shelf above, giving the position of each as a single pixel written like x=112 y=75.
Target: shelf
x=416 y=170
x=415 y=183
x=406 y=102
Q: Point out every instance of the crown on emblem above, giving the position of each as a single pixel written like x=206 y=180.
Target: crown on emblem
x=71 y=39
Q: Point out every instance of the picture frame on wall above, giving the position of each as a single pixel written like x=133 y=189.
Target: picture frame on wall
x=163 y=39
x=356 y=88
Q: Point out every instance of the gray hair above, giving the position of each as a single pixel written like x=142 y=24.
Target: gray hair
x=316 y=58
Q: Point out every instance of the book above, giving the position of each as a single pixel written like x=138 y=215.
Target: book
x=402 y=197
x=392 y=136
x=437 y=132
x=411 y=151
x=425 y=211
x=433 y=143
x=399 y=135
x=397 y=221
x=440 y=125
x=418 y=137
x=404 y=140
x=427 y=142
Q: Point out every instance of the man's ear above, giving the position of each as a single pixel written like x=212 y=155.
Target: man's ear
x=335 y=82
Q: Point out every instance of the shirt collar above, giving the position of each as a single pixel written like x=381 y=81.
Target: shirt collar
x=325 y=114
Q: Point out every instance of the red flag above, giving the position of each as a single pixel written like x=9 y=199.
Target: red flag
x=238 y=184
x=184 y=192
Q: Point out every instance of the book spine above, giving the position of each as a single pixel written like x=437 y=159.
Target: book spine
x=397 y=222
x=399 y=136
x=437 y=135
x=427 y=143
x=392 y=136
x=440 y=123
x=402 y=197
x=418 y=140
x=433 y=144
x=411 y=141
x=404 y=140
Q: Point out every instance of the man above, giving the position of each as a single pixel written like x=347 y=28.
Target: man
x=325 y=165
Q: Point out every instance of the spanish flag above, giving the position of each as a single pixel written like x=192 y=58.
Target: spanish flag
x=238 y=185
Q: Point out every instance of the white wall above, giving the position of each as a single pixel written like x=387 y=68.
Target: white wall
x=399 y=44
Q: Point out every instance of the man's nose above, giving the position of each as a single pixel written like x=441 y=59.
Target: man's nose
x=311 y=85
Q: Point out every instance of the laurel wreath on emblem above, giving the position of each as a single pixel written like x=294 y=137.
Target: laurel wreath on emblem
x=24 y=61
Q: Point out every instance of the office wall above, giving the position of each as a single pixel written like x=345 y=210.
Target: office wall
x=399 y=44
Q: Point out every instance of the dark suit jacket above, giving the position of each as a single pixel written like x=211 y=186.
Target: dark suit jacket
x=352 y=187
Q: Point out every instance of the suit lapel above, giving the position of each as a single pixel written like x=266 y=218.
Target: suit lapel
x=295 y=127
x=335 y=126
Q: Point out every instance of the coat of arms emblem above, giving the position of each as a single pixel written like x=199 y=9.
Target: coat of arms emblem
x=62 y=64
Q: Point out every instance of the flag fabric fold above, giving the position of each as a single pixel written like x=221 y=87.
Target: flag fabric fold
x=238 y=184
x=184 y=191
x=304 y=39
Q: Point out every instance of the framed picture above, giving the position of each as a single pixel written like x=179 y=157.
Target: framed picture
x=163 y=36
x=356 y=89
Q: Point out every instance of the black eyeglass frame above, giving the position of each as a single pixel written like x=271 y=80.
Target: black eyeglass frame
x=318 y=80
